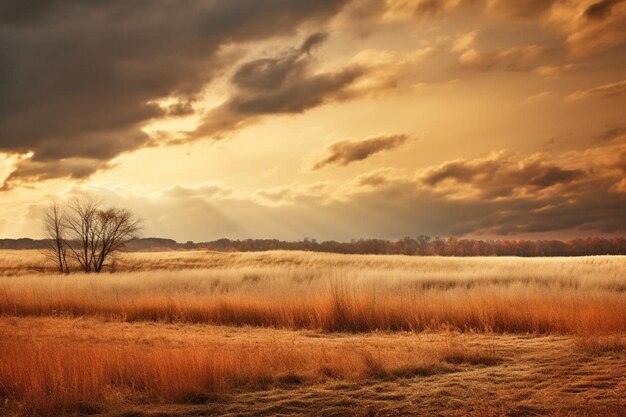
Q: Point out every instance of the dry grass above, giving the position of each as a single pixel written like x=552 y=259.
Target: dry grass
x=24 y=262
x=600 y=344
x=317 y=334
x=341 y=293
x=53 y=366
x=60 y=366
x=71 y=377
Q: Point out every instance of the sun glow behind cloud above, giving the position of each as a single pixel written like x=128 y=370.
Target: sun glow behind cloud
x=223 y=127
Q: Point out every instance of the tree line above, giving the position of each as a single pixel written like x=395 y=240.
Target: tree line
x=415 y=246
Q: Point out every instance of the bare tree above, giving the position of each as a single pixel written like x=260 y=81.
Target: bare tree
x=82 y=228
x=90 y=234
x=54 y=228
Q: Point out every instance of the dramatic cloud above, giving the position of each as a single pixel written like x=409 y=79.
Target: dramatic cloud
x=288 y=83
x=540 y=192
x=525 y=194
x=79 y=79
x=610 y=90
x=75 y=168
x=84 y=85
x=284 y=84
x=501 y=194
x=592 y=27
x=601 y=9
x=501 y=175
x=576 y=192
x=347 y=151
x=588 y=26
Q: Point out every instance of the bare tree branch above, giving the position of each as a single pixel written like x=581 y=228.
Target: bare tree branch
x=54 y=228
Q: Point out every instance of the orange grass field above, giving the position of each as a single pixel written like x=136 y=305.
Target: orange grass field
x=293 y=333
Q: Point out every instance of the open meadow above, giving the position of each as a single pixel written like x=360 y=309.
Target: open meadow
x=298 y=333
x=320 y=208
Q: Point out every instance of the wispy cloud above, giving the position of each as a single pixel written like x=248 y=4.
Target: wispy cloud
x=604 y=91
x=346 y=152
x=538 y=96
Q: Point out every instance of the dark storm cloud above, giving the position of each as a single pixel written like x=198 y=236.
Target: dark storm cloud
x=79 y=78
x=22 y=12
x=283 y=84
x=347 y=151
x=601 y=9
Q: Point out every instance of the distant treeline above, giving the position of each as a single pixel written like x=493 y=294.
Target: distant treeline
x=419 y=246
x=426 y=245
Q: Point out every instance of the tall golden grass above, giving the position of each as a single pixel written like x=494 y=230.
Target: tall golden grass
x=25 y=262
x=49 y=377
x=58 y=361
x=340 y=293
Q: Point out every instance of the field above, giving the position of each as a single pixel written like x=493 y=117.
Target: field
x=295 y=333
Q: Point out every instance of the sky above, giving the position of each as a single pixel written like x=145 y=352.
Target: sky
x=326 y=119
